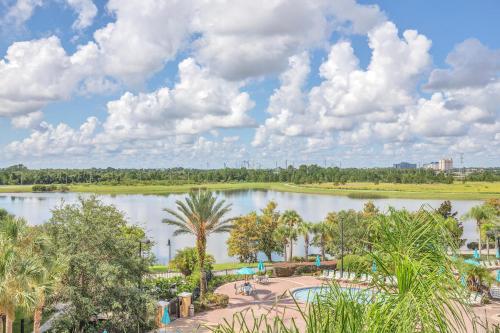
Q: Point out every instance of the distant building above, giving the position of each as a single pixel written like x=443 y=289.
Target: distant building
x=432 y=166
x=445 y=164
x=405 y=165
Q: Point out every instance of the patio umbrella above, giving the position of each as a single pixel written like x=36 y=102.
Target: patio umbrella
x=472 y=262
x=498 y=275
x=374 y=267
x=318 y=261
x=246 y=271
x=165 y=319
x=498 y=253
x=463 y=281
x=476 y=254
x=261 y=266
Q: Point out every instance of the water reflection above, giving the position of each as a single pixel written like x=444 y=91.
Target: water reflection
x=147 y=211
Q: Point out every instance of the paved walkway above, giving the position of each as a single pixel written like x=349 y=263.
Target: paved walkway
x=273 y=300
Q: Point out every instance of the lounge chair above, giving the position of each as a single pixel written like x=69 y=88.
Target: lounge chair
x=331 y=275
x=351 y=276
x=363 y=278
x=338 y=276
x=325 y=274
x=495 y=292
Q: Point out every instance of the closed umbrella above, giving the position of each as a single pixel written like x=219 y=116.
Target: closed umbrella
x=261 y=266
x=476 y=254
x=318 y=261
x=498 y=253
x=498 y=275
x=463 y=281
x=165 y=319
x=374 y=267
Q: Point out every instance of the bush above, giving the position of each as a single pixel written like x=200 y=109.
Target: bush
x=472 y=245
x=186 y=261
x=357 y=263
x=305 y=270
x=163 y=288
x=284 y=271
x=297 y=259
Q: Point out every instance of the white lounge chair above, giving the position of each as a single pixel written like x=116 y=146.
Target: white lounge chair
x=363 y=278
x=476 y=298
x=331 y=275
x=495 y=292
x=338 y=276
x=351 y=276
x=325 y=274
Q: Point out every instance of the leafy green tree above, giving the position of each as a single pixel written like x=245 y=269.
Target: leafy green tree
x=103 y=271
x=454 y=224
x=355 y=230
x=290 y=221
x=322 y=232
x=267 y=222
x=187 y=262
x=482 y=214
x=201 y=214
x=243 y=240
x=20 y=268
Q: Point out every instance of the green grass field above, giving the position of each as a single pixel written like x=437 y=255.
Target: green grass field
x=467 y=191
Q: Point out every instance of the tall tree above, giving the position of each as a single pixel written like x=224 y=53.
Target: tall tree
x=290 y=220
x=20 y=268
x=322 y=236
x=453 y=223
x=304 y=229
x=481 y=214
x=244 y=238
x=103 y=270
x=267 y=222
x=201 y=214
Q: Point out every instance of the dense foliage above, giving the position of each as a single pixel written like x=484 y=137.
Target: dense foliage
x=101 y=282
x=186 y=261
x=19 y=174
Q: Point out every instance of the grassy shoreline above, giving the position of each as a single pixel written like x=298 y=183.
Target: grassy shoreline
x=467 y=191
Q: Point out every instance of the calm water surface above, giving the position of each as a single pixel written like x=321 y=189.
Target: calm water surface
x=147 y=211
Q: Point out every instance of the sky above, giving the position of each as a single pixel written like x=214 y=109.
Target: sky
x=214 y=83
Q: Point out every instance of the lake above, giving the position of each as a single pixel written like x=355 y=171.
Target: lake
x=147 y=211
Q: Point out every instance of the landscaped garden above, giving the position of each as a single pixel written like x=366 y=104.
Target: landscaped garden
x=92 y=272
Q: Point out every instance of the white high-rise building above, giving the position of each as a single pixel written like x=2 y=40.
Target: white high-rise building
x=445 y=164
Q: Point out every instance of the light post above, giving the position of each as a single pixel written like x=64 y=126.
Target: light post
x=169 y=244
x=341 y=247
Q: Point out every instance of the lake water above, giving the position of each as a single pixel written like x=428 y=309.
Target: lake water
x=147 y=211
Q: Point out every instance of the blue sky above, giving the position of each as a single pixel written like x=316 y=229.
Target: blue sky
x=165 y=83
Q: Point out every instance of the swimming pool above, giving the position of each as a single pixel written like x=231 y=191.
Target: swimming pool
x=308 y=294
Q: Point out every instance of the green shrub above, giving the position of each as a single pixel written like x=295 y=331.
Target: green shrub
x=163 y=288
x=284 y=271
x=356 y=263
x=186 y=261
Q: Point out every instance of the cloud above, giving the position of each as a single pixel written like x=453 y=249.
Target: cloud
x=142 y=40
x=29 y=120
x=351 y=102
x=198 y=103
x=35 y=73
x=472 y=65
x=20 y=12
x=86 y=11
x=58 y=140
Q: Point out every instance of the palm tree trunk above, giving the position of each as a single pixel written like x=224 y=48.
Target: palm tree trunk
x=291 y=250
x=9 y=321
x=487 y=248
x=306 y=247
x=479 y=242
x=323 y=249
x=284 y=252
x=37 y=317
x=201 y=245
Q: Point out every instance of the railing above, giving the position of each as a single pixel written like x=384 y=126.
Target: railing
x=170 y=274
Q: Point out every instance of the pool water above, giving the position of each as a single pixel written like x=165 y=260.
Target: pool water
x=310 y=293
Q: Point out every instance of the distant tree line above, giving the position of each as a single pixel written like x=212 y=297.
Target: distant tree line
x=21 y=175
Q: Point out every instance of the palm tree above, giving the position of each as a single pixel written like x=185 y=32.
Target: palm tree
x=280 y=234
x=304 y=229
x=291 y=220
x=20 y=269
x=201 y=214
x=482 y=214
x=321 y=232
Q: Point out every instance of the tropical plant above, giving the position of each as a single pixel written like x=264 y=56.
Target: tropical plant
x=322 y=232
x=201 y=214
x=290 y=221
x=482 y=214
x=186 y=261
x=453 y=223
x=20 y=269
x=422 y=295
x=304 y=229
